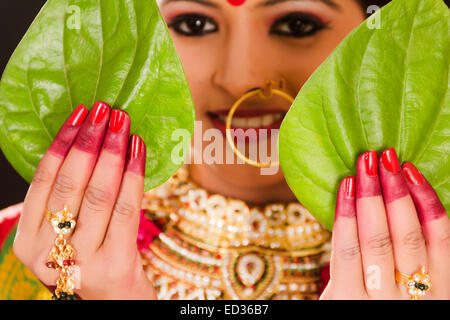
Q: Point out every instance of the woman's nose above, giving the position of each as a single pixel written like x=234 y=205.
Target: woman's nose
x=241 y=66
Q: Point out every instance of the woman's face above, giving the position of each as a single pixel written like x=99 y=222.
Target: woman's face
x=227 y=50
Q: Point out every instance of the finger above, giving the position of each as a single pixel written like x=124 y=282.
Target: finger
x=345 y=265
x=74 y=174
x=373 y=231
x=44 y=177
x=428 y=205
x=436 y=229
x=123 y=228
x=406 y=232
x=103 y=187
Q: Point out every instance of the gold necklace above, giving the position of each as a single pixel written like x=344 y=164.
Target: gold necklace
x=214 y=247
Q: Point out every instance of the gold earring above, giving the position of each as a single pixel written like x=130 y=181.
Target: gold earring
x=259 y=91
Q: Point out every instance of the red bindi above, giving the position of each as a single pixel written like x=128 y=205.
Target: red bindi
x=236 y=2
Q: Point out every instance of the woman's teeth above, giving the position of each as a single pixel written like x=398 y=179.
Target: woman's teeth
x=253 y=122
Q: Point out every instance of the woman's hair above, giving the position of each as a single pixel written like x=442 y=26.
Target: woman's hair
x=367 y=3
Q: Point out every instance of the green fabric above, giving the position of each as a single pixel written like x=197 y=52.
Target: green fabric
x=16 y=281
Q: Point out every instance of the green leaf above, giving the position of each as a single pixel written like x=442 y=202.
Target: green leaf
x=380 y=88
x=80 y=51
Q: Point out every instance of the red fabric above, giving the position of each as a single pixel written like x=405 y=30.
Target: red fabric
x=147 y=232
x=324 y=276
x=8 y=220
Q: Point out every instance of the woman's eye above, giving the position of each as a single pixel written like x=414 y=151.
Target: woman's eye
x=193 y=25
x=297 y=25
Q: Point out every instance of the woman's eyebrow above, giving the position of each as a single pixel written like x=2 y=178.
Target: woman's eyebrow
x=203 y=2
x=329 y=3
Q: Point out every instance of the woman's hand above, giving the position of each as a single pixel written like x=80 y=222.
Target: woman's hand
x=87 y=169
x=389 y=218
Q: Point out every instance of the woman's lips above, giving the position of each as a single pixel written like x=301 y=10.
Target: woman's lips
x=248 y=119
x=252 y=122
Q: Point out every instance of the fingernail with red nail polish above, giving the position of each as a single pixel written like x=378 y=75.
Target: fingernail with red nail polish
x=117 y=120
x=136 y=146
x=390 y=160
x=98 y=112
x=349 y=187
x=370 y=160
x=412 y=174
x=78 y=115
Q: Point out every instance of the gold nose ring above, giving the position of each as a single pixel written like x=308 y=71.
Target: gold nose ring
x=270 y=85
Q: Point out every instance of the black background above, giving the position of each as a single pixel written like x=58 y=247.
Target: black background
x=15 y=18
x=277 y=309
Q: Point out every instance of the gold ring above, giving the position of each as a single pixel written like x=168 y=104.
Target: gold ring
x=62 y=221
x=418 y=284
x=60 y=256
x=238 y=102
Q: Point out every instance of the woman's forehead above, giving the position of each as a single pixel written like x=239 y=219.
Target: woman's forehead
x=218 y=3
x=236 y=2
